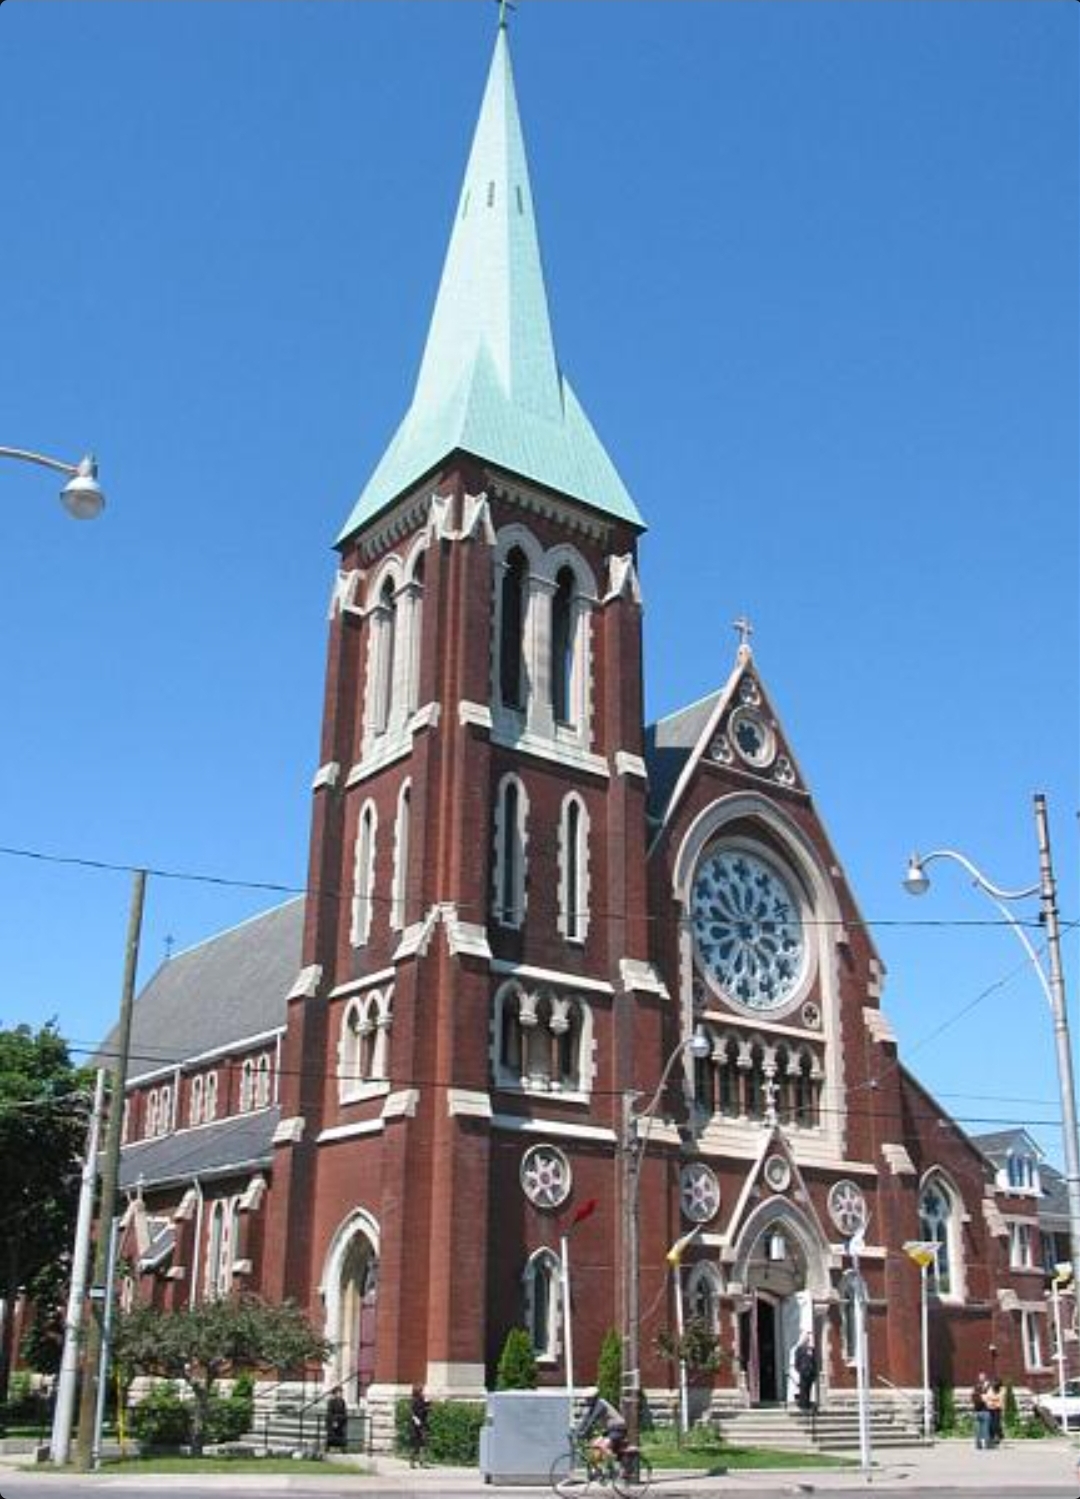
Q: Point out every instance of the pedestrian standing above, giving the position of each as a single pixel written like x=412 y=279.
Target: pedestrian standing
x=806 y=1367
x=995 y=1406
x=337 y=1420
x=419 y=1417
x=981 y=1412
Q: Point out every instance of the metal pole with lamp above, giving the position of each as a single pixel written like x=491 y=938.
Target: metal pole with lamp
x=585 y=1211
x=855 y=1247
x=632 y=1146
x=916 y=882
x=82 y=496
x=924 y=1253
x=1060 y=1281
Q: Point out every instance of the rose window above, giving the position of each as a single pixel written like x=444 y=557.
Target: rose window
x=545 y=1176
x=847 y=1208
x=746 y=923
x=699 y=1193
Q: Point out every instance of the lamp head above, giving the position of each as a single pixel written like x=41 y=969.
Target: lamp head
x=82 y=496
x=699 y=1044
x=916 y=881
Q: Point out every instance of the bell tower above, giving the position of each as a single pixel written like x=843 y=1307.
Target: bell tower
x=476 y=987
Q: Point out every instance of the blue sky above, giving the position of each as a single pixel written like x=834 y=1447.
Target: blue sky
x=812 y=269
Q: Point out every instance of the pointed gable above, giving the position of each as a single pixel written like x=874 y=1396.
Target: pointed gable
x=735 y=728
x=489 y=381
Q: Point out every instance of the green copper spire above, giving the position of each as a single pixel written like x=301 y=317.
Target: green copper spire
x=489 y=380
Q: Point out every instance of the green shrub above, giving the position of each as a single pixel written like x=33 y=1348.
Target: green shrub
x=230 y=1417
x=453 y=1431
x=945 y=1405
x=161 y=1418
x=1011 y=1411
x=609 y=1368
x=517 y=1362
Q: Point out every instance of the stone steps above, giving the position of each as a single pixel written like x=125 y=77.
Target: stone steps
x=835 y=1429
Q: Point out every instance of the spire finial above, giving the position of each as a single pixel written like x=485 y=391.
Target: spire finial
x=504 y=6
x=744 y=629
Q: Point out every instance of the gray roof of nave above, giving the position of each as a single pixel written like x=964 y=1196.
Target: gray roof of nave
x=231 y=986
x=669 y=743
x=241 y=1143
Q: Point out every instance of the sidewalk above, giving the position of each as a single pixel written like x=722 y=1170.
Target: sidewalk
x=1011 y=1468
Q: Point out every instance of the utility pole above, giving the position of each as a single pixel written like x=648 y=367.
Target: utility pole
x=69 y=1361
x=1056 y=985
x=109 y=1177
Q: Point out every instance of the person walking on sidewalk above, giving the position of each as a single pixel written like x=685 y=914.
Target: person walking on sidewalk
x=419 y=1417
x=995 y=1407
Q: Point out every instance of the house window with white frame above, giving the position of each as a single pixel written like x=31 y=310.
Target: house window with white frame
x=574 y=869
x=196 y=1099
x=542 y=1288
x=1031 y=1330
x=1021 y=1173
x=511 y=816
x=363 y=875
x=1021 y=1246
x=402 y=829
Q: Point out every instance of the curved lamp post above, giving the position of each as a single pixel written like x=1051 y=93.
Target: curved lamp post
x=916 y=882
x=82 y=496
x=632 y=1145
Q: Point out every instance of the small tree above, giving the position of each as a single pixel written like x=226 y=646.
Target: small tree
x=201 y=1343
x=517 y=1362
x=699 y=1347
x=609 y=1368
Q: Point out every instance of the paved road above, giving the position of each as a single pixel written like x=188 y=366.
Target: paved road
x=40 y=1486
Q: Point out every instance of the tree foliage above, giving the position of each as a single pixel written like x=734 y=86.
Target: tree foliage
x=609 y=1368
x=699 y=1348
x=517 y=1362
x=198 y=1345
x=42 y=1131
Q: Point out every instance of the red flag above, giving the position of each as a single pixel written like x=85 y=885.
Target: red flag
x=586 y=1210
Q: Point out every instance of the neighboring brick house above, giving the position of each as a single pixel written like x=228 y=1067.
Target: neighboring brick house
x=384 y=1101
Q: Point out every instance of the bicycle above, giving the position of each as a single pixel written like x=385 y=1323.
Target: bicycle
x=583 y=1467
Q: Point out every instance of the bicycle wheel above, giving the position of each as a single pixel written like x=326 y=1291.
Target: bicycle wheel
x=567 y=1475
x=634 y=1478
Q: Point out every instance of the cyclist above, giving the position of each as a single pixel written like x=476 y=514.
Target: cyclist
x=601 y=1417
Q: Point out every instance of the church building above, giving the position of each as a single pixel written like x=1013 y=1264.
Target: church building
x=554 y=964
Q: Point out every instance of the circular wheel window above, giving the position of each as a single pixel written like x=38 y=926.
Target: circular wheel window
x=699 y=1192
x=847 y=1207
x=778 y=1173
x=545 y=1176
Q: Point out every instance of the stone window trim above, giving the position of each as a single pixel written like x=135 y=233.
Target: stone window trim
x=158 y=1112
x=363 y=1046
x=946 y=1276
x=393 y=618
x=222 y=1261
x=255 y=1082
x=542 y=1278
x=745 y=1068
x=363 y=895
x=542 y=1042
x=574 y=875
x=534 y=716
x=402 y=836
x=703 y=1294
x=510 y=864
x=1032 y=1327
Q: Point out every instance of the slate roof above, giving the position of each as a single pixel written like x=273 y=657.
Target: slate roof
x=231 y=986
x=241 y=1143
x=1054 y=1202
x=490 y=382
x=669 y=743
x=997 y=1144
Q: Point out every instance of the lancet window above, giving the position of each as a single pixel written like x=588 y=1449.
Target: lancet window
x=542 y=1294
x=363 y=875
x=939 y=1225
x=511 y=814
x=574 y=869
x=402 y=830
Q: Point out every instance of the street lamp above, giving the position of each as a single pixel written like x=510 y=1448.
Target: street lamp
x=924 y=1252
x=632 y=1145
x=1051 y=978
x=82 y=496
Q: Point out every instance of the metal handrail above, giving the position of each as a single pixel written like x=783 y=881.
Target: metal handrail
x=302 y=1413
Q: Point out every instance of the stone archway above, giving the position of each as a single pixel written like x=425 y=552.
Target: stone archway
x=781 y=1266
x=350 y=1290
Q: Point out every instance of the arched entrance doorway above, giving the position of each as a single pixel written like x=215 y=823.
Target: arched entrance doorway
x=781 y=1271
x=350 y=1286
